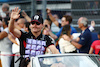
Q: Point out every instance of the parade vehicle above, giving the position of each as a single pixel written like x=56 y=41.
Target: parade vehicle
x=66 y=60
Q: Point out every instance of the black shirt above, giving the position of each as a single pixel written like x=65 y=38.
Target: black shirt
x=31 y=46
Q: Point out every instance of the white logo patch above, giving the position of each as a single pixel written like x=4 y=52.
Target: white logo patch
x=36 y=17
x=82 y=38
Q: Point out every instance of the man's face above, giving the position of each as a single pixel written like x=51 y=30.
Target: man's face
x=4 y=10
x=36 y=28
x=21 y=22
x=21 y=25
x=64 y=22
x=79 y=23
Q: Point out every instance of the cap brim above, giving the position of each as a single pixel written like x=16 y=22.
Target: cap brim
x=35 y=21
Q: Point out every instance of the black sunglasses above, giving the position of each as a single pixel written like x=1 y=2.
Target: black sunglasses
x=37 y=23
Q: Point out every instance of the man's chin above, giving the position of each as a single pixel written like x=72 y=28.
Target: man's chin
x=36 y=31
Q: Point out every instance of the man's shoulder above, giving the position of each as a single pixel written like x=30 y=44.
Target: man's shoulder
x=73 y=28
x=87 y=31
x=87 y=34
x=25 y=34
x=47 y=36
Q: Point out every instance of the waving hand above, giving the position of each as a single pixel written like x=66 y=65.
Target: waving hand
x=15 y=13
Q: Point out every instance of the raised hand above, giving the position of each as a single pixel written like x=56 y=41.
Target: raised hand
x=15 y=13
x=93 y=23
x=66 y=37
x=48 y=10
x=23 y=13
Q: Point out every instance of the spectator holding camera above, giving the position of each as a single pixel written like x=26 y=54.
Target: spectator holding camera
x=47 y=28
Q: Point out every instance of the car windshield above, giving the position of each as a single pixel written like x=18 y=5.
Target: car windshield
x=70 y=61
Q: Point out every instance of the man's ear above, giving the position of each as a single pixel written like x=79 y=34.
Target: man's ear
x=99 y=36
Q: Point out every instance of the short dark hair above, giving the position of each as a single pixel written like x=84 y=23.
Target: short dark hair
x=6 y=19
x=68 y=18
x=27 y=24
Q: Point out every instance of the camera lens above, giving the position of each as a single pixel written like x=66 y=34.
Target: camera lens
x=46 y=26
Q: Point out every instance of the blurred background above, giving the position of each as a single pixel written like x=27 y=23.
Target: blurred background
x=75 y=8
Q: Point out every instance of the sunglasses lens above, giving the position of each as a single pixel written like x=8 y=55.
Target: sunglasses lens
x=37 y=23
x=32 y=22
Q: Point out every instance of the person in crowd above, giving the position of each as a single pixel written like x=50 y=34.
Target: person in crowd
x=57 y=18
x=46 y=31
x=5 y=13
x=5 y=9
x=47 y=28
x=54 y=26
x=91 y=28
x=95 y=46
x=34 y=37
x=66 y=19
x=16 y=44
x=5 y=45
x=66 y=46
x=85 y=39
x=20 y=25
x=27 y=26
x=47 y=22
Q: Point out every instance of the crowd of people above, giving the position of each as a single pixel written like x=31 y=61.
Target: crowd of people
x=22 y=38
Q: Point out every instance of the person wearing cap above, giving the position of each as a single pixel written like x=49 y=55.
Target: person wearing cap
x=95 y=46
x=33 y=43
x=85 y=39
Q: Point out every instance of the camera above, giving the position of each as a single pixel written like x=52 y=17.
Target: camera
x=46 y=25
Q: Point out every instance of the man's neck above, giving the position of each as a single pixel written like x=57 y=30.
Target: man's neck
x=84 y=28
x=36 y=34
x=5 y=27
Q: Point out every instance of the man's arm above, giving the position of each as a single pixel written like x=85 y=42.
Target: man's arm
x=53 y=49
x=91 y=28
x=52 y=18
x=14 y=15
x=3 y=34
x=26 y=16
x=52 y=35
x=77 y=45
x=12 y=38
x=91 y=50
